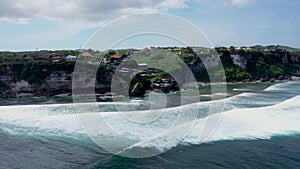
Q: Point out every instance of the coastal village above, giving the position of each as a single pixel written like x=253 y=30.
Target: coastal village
x=50 y=73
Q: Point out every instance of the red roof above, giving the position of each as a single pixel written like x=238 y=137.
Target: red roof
x=58 y=57
x=86 y=54
x=116 y=56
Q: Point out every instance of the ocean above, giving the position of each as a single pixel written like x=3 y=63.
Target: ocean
x=258 y=128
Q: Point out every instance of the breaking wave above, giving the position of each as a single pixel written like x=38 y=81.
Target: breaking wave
x=61 y=120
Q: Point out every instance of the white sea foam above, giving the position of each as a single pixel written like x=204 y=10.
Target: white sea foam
x=52 y=119
x=162 y=134
x=254 y=123
x=251 y=123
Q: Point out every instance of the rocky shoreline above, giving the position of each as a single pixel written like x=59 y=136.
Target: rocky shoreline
x=23 y=89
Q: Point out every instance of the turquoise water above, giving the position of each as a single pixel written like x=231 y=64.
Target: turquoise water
x=259 y=128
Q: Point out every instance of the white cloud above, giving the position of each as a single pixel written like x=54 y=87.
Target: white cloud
x=80 y=10
x=240 y=2
x=169 y=4
x=14 y=20
x=72 y=16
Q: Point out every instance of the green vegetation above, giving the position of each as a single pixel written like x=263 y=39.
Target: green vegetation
x=260 y=62
x=160 y=59
x=35 y=73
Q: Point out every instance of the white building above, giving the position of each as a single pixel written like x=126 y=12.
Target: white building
x=71 y=58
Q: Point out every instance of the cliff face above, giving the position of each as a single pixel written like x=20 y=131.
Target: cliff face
x=56 y=83
x=23 y=88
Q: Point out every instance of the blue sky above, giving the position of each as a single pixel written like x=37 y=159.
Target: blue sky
x=55 y=24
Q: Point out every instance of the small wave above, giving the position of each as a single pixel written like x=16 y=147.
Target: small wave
x=281 y=86
x=242 y=90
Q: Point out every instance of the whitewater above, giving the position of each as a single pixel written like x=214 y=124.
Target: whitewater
x=246 y=116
